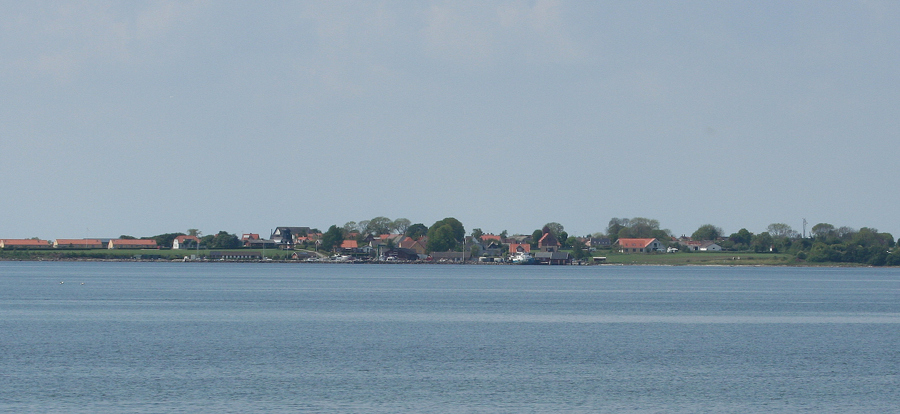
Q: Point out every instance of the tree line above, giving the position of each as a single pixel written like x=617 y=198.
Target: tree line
x=826 y=243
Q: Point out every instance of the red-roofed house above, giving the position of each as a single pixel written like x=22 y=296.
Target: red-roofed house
x=349 y=245
x=132 y=244
x=77 y=244
x=417 y=245
x=487 y=238
x=548 y=242
x=519 y=248
x=395 y=237
x=639 y=245
x=184 y=242
x=24 y=244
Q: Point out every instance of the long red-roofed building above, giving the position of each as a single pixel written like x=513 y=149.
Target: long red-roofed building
x=78 y=244
x=132 y=244
x=639 y=245
x=24 y=244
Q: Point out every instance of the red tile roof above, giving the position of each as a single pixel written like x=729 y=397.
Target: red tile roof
x=78 y=242
x=514 y=246
x=134 y=242
x=548 y=240
x=409 y=243
x=635 y=243
x=349 y=244
x=25 y=242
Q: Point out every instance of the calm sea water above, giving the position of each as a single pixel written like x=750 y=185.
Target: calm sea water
x=236 y=338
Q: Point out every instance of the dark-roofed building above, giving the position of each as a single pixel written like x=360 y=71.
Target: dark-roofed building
x=260 y=244
x=553 y=258
x=287 y=235
x=400 y=253
x=595 y=242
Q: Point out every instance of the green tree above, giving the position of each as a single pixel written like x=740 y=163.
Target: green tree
x=536 y=237
x=441 y=238
x=350 y=227
x=556 y=229
x=400 y=225
x=893 y=259
x=707 y=232
x=416 y=230
x=638 y=227
x=332 y=238
x=165 y=240
x=643 y=227
x=477 y=233
x=743 y=236
x=563 y=238
x=615 y=226
x=780 y=230
x=579 y=249
x=379 y=225
x=762 y=242
x=193 y=232
x=844 y=233
x=662 y=235
x=822 y=230
x=127 y=237
x=821 y=252
x=224 y=240
x=871 y=237
x=459 y=232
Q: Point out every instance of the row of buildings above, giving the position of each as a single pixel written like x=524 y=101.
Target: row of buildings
x=398 y=245
x=78 y=244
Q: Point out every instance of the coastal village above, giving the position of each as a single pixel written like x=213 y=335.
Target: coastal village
x=303 y=243
x=399 y=241
x=306 y=244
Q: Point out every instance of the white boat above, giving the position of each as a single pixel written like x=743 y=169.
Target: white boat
x=521 y=258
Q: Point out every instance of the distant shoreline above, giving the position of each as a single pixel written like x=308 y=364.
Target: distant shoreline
x=469 y=263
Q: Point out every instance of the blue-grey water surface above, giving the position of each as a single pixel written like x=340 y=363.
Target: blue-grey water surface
x=236 y=338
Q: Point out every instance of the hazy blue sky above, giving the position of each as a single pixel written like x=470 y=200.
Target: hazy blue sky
x=152 y=117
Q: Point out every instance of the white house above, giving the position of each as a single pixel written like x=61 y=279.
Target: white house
x=709 y=246
x=183 y=242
